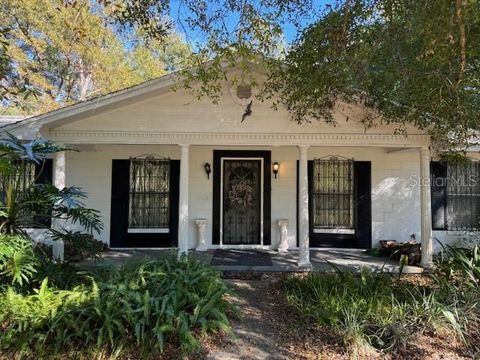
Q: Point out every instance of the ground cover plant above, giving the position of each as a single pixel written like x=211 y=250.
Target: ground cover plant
x=142 y=308
x=381 y=312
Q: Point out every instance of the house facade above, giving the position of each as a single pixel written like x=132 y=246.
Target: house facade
x=168 y=170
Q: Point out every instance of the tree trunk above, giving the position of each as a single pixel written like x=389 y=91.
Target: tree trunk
x=85 y=82
x=462 y=40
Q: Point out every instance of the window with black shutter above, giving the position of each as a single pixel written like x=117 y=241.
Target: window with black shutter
x=333 y=194
x=455 y=192
x=149 y=195
x=29 y=173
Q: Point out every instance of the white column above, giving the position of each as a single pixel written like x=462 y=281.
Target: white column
x=425 y=208
x=60 y=182
x=59 y=178
x=183 y=202
x=303 y=228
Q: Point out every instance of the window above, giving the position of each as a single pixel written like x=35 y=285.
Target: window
x=456 y=196
x=463 y=197
x=22 y=178
x=149 y=196
x=27 y=174
x=333 y=194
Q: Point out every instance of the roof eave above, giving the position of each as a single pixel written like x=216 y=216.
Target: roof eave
x=94 y=104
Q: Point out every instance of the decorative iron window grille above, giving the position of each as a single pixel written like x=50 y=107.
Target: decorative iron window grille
x=149 y=198
x=22 y=178
x=333 y=193
x=463 y=196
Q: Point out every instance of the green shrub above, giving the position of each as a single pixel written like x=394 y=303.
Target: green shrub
x=61 y=275
x=79 y=245
x=461 y=263
x=374 y=309
x=18 y=260
x=141 y=306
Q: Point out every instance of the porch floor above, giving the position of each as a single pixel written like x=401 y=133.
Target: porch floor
x=264 y=260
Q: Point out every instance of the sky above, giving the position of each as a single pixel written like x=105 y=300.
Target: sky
x=289 y=29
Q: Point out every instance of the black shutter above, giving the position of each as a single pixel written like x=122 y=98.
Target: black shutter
x=44 y=175
x=44 y=172
x=217 y=188
x=363 y=202
x=119 y=210
x=438 y=189
x=267 y=197
x=174 y=198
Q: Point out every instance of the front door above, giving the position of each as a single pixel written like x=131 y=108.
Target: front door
x=241 y=198
x=241 y=201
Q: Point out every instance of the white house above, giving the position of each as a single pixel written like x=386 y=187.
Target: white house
x=144 y=155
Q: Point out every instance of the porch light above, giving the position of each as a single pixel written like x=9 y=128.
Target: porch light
x=208 y=169
x=276 y=167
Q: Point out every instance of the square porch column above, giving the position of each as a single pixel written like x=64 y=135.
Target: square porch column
x=303 y=216
x=183 y=201
x=59 y=178
x=425 y=208
x=60 y=182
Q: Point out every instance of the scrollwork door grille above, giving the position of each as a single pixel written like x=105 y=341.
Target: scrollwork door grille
x=241 y=201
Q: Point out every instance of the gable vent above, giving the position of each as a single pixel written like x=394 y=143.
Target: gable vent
x=244 y=91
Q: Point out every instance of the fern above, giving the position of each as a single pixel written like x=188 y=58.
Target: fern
x=141 y=306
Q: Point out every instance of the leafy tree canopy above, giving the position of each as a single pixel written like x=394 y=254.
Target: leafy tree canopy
x=57 y=52
x=411 y=62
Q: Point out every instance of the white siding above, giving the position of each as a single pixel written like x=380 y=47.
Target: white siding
x=395 y=205
x=395 y=197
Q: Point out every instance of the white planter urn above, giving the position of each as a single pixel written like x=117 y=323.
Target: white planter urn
x=202 y=242
x=283 y=245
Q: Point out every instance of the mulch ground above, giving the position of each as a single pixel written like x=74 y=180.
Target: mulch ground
x=266 y=328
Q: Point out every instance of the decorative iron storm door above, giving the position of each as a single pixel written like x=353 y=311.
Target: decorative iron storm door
x=241 y=201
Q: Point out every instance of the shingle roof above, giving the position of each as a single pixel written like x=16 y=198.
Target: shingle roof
x=10 y=119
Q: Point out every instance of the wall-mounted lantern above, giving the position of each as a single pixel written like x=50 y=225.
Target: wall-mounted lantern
x=275 y=168
x=208 y=169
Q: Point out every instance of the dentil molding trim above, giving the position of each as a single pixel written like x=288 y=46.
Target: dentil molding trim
x=144 y=137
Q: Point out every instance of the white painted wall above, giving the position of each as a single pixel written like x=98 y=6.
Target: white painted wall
x=395 y=200
x=395 y=205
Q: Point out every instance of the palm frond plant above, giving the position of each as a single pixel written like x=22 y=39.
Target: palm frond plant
x=24 y=203
x=35 y=150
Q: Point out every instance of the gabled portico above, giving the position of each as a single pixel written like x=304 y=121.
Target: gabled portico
x=241 y=203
